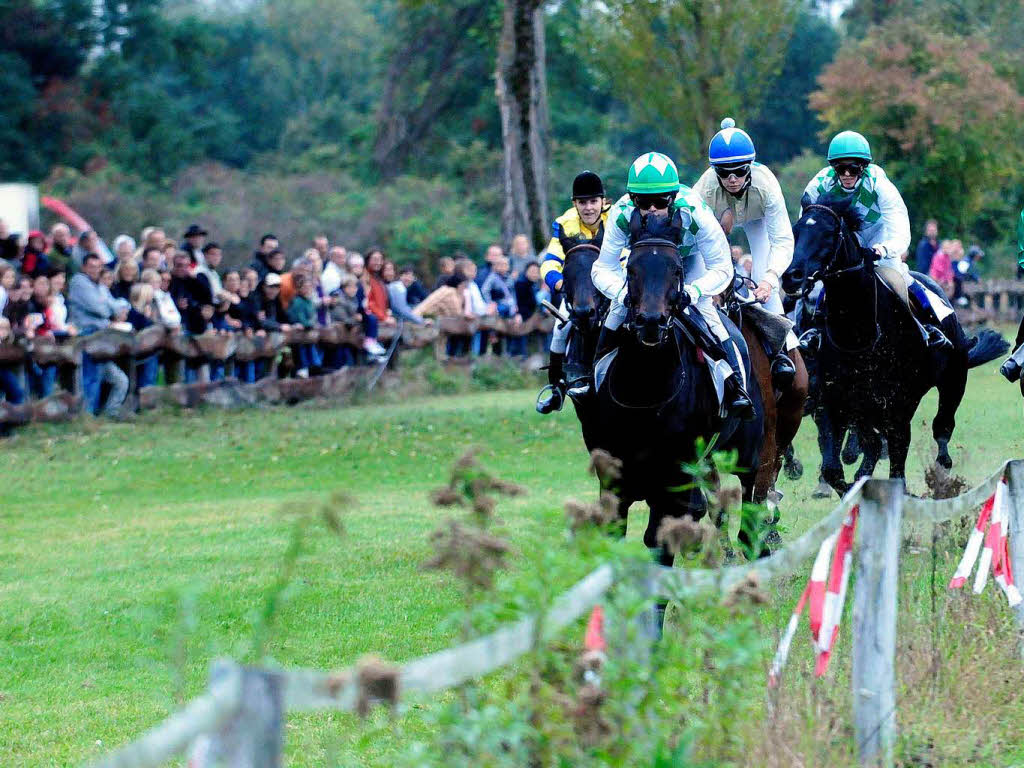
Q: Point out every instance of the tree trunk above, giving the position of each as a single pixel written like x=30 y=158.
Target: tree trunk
x=520 y=85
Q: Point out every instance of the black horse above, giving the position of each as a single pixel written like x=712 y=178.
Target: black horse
x=656 y=399
x=586 y=307
x=874 y=365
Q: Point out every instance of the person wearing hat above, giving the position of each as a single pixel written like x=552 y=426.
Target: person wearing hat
x=194 y=237
x=746 y=194
x=582 y=223
x=885 y=229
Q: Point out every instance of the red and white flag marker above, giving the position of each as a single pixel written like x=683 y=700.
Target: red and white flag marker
x=988 y=543
x=826 y=593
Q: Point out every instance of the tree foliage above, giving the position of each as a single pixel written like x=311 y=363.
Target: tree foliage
x=684 y=65
x=940 y=117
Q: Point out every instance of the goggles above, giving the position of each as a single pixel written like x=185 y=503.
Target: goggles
x=661 y=202
x=849 y=168
x=739 y=171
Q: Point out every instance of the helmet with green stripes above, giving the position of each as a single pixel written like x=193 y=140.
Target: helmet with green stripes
x=849 y=144
x=652 y=173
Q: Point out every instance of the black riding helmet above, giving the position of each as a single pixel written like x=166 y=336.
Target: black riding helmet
x=587 y=184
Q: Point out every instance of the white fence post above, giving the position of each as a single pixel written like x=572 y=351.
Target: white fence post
x=1016 y=538
x=874 y=620
x=254 y=737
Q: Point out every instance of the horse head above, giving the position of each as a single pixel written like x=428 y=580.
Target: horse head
x=825 y=243
x=654 y=280
x=582 y=298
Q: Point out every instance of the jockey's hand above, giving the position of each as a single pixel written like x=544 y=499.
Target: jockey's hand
x=763 y=291
x=727 y=220
x=558 y=285
x=880 y=250
x=692 y=295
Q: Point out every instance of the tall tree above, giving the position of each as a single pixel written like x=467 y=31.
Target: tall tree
x=521 y=88
x=937 y=112
x=684 y=65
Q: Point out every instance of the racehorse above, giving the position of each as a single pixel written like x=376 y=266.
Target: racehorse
x=586 y=306
x=874 y=364
x=656 y=398
x=783 y=411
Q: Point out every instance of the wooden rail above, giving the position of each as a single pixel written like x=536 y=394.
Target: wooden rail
x=239 y=719
x=992 y=301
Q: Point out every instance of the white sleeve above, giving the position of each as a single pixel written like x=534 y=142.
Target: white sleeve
x=895 y=219
x=714 y=249
x=607 y=272
x=780 y=233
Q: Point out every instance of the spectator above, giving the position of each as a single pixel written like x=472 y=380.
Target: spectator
x=493 y=252
x=301 y=265
x=91 y=308
x=261 y=256
x=107 y=278
x=126 y=275
x=153 y=237
x=7 y=278
x=124 y=248
x=966 y=271
x=334 y=271
x=41 y=377
x=58 y=316
x=526 y=288
x=33 y=260
x=302 y=312
x=357 y=268
x=521 y=255
x=941 y=268
x=272 y=314
x=445 y=269
x=223 y=319
x=191 y=296
x=17 y=307
x=247 y=309
x=61 y=254
x=927 y=247
x=746 y=265
x=207 y=269
x=169 y=249
x=345 y=311
x=9 y=248
x=398 y=287
x=10 y=384
x=320 y=245
x=166 y=313
x=89 y=244
x=252 y=277
x=152 y=258
x=377 y=294
x=498 y=289
x=142 y=315
x=194 y=238
x=476 y=306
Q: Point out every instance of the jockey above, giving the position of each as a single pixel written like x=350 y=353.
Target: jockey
x=737 y=188
x=583 y=223
x=1012 y=368
x=886 y=225
x=655 y=200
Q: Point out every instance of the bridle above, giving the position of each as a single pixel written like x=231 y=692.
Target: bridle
x=668 y=321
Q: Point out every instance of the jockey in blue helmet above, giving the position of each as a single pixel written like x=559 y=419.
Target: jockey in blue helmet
x=744 y=193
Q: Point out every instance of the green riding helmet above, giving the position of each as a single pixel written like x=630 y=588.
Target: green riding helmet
x=652 y=173
x=849 y=144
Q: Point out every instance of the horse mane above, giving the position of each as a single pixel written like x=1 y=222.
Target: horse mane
x=845 y=209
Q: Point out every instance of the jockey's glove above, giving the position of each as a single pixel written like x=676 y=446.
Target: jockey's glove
x=693 y=293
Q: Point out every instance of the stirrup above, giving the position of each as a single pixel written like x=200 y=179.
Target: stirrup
x=1010 y=370
x=783 y=371
x=810 y=341
x=550 y=399
x=579 y=388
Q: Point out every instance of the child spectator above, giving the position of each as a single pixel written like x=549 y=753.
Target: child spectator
x=302 y=312
x=58 y=310
x=166 y=313
x=17 y=308
x=498 y=289
x=398 y=288
x=445 y=269
x=33 y=260
x=141 y=315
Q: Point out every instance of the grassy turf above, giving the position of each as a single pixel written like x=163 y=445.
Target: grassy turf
x=128 y=547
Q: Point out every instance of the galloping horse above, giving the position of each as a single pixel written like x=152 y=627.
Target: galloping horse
x=586 y=306
x=874 y=364
x=783 y=411
x=656 y=398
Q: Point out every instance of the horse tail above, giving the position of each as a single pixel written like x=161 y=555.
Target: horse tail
x=989 y=346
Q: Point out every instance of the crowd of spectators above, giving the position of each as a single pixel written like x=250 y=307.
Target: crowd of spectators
x=946 y=262
x=59 y=286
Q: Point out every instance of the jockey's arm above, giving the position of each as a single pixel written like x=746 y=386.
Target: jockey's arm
x=607 y=272
x=713 y=248
x=895 y=221
x=780 y=235
x=551 y=265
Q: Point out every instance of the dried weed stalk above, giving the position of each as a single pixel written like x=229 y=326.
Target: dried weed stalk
x=606 y=467
x=377 y=683
x=680 y=534
x=470 y=553
x=604 y=512
x=747 y=591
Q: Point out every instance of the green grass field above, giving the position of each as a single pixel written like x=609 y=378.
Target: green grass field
x=133 y=553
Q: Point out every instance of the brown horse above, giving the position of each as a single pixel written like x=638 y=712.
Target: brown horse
x=783 y=411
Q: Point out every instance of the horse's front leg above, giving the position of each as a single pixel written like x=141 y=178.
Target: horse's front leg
x=830 y=438
x=898 y=436
x=871 y=446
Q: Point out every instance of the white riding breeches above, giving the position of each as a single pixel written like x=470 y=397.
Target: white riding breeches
x=757 y=236
x=706 y=307
x=560 y=333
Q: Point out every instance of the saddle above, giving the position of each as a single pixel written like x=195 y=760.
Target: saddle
x=772 y=328
x=894 y=281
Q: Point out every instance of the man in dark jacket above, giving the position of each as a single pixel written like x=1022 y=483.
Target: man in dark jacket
x=927 y=247
x=272 y=313
x=191 y=296
x=268 y=244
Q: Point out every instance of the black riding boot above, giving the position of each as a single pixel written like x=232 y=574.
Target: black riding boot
x=926 y=317
x=579 y=373
x=737 y=400
x=552 y=396
x=783 y=371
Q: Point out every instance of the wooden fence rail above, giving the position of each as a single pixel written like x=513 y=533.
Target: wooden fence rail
x=238 y=711
x=992 y=301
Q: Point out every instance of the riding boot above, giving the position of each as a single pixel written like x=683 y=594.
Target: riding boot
x=578 y=372
x=783 y=371
x=810 y=342
x=552 y=396
x=1011 y=369
x=738 y=401
x=923 y=313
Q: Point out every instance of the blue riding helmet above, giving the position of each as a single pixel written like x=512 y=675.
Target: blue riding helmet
x=731 y=145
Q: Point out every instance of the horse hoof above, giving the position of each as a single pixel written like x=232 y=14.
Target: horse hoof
x=794 y=469
x=823 y=491
x=772 y=542
x=944 y=461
